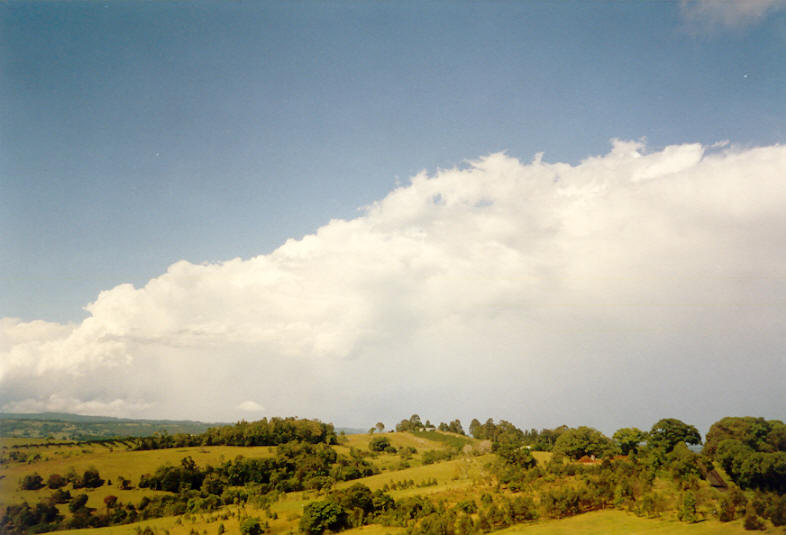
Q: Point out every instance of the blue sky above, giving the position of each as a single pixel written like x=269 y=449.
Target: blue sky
x=139 y=134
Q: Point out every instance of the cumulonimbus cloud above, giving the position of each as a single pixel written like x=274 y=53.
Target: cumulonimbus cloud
x=520 y=285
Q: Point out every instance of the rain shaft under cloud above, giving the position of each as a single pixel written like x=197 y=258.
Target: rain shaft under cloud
x=630 y=287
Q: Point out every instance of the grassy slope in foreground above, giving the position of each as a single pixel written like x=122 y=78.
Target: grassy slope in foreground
x=618 y=522
x=596 y=523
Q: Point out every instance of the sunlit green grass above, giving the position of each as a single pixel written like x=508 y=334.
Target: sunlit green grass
x=619 y=523
x=111 y=464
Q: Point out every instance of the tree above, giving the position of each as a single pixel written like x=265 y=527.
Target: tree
x=756 y=433
x=668 y=432
x=110 y=502
x=77 y=503
x=251 y=526
x=55 y=481
x=628 y=439
x=455 y=427
x=581 y=441
x=414 y=423
x=322 y=515
x=91 y=479
x=380 y=444
x=380 y=427
x=687 y=512
x=213 y=484
x=475 y=428
x=515 y=455
x=32 y=481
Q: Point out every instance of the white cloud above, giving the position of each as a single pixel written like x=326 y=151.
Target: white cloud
x=717 y=14
x=541 y=292
x=250 y=406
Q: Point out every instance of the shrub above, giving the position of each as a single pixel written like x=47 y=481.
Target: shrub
x=55 y=481
x=687 y=512
x=77 y=503
x=322 y=515
x=60 y=496
x=523 y=509
x=753 y=522
x=777 y=511
x=91 y=479
x=32 y=482
x=380 y=444
x=251 y=526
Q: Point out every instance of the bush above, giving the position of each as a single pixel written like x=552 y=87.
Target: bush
x=380 y=444
x=777 y=511
x=433 y=456
x=753 y=522
x=60 y=496
x=250 y=526
x=32 y=482
x=523 y=509
x=91 y=479
x=467 y=506
x=55 y=481
x=322 y=515
x=687 y=512
x=77 y=503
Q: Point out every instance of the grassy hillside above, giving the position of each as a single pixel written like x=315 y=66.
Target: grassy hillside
x=436 y=477
x=112 y=463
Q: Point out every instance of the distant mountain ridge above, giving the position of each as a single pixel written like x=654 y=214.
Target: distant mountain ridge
x=66 y=426
x=84 y=418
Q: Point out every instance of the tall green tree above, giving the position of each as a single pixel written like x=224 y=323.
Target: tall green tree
x=581 y=441
x=628 y=439
x=669 y=432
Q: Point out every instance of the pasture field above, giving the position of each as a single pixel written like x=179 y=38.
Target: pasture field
x=419 y=441
x=386 y=461
x=111 y=464
x=468 y=477
x=613 y=522
x=465 y=470
x=115 y=460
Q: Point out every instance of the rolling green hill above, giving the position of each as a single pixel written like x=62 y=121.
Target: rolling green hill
x=394 y=483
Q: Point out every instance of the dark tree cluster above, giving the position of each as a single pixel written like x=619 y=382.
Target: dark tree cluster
x=22 y=518
x=352 y=507
x=751 y=450
x=381 y=444
x=584 y=442
x=452 y=427
x=259 y=433
x=411 y=424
